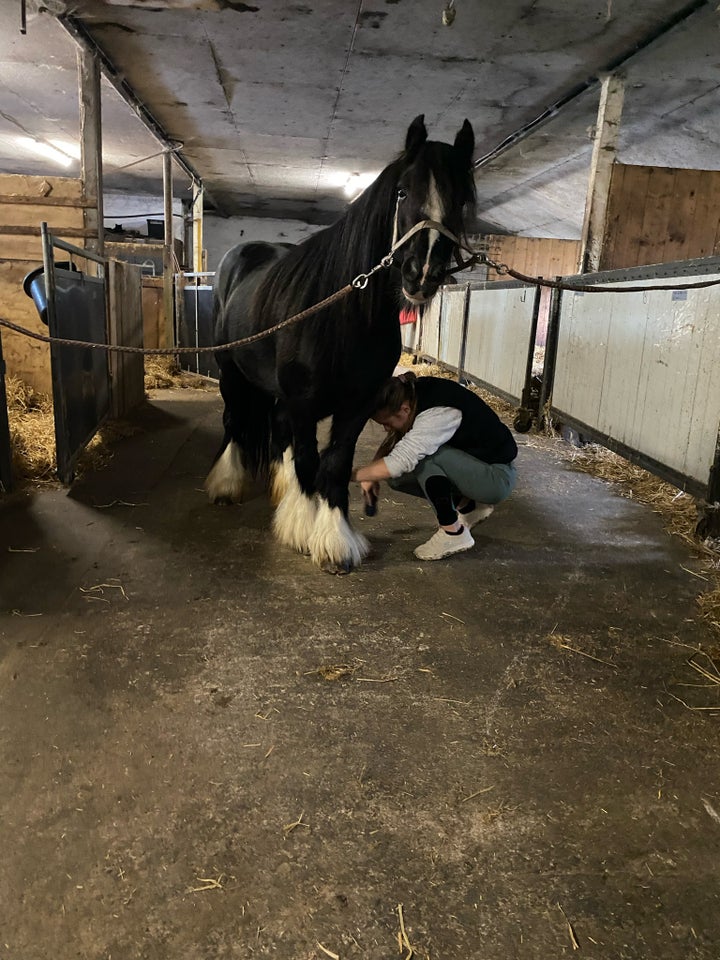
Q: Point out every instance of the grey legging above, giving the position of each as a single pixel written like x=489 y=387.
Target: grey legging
x=468 y=476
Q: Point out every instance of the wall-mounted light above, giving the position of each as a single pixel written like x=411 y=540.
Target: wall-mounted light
x=43 y=149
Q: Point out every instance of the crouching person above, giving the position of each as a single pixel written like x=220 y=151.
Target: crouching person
x=444 y=444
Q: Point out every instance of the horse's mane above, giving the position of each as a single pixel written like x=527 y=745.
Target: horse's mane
x=329 y=259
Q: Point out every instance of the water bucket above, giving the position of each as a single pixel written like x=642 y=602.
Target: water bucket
x=34 y=287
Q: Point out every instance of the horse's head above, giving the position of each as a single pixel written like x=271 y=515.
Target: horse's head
x=436 y=184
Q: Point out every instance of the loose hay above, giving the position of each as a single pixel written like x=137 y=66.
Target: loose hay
x=32 y=432
x=335 y=671
x=32 y=436
x=32 y=424
x=161 y=373
x=710 y=605
x=164 y=373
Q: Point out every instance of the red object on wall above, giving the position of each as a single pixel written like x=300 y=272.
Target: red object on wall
x=408 y=315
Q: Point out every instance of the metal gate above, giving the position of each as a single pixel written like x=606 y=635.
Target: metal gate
x=72 y=304
x=5 y=456
x=194 y=324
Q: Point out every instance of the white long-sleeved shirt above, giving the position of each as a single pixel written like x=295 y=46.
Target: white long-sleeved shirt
x=431 y=429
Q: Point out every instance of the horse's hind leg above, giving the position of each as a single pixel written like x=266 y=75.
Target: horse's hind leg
x=225 y=482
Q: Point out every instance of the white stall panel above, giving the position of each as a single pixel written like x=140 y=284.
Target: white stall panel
x=638 y=368
x=453 y=311
x=499 y=330
x=430 y=327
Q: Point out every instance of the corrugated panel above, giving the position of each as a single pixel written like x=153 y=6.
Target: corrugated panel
x=430 y=327
x=499 y=329
x=453 y=309
x=498 y=338
x=638 y=368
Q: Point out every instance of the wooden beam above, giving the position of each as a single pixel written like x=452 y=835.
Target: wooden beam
x=23 y=231
x=75 y=27
x=45 y=201
x=197 y=227
x=168 y=258
x=91 y=146
x=607 y=129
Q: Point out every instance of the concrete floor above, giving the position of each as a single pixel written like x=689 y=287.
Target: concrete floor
x=503 y=756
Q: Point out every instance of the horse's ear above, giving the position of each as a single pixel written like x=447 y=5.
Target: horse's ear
x=465 y=141
x=416 y=135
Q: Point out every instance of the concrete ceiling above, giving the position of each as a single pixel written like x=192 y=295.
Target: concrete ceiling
x=275 y=104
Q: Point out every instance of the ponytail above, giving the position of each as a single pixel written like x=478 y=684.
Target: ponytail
x=392 y=395
x=395 y=392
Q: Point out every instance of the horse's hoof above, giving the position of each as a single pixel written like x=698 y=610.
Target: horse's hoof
x=223 y=501
x=337 y=569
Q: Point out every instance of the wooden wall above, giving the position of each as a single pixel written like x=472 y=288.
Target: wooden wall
x=125 y=326
x=25 y=202
x=153 y=311
x=660 y=214
x=534 y=256
x=158 y=332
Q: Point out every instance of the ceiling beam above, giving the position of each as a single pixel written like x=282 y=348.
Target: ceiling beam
x=552 y=111
x=81 y=36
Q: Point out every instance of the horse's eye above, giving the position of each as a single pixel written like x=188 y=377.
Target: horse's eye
x=402 y=194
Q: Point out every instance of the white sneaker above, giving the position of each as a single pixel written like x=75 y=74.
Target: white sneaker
x=442 y=544
x=481 y=512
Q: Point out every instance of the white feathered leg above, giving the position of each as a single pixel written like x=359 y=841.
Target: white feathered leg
x=224 y=483
x=294 y=517
x=333 y=541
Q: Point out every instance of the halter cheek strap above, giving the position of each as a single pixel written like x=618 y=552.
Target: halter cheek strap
x=422 y=225
x=361 y=281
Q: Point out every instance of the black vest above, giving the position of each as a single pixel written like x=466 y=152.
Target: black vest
x=481 y=433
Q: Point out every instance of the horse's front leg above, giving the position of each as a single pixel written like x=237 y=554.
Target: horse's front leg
x=334 y=545
x=294 y=469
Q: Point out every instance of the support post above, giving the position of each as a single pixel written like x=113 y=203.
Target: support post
x=197 y=227
x=168 y=252
x=91 y=148
x=464 y=332
x=551 y=346
x=603 y=157
x=525 y=413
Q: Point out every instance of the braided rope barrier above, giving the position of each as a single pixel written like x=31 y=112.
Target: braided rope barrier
x=359 y=283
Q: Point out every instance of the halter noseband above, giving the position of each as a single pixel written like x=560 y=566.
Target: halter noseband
x=361 y=281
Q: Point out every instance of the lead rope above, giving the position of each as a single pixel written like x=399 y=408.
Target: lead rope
x=359 y=283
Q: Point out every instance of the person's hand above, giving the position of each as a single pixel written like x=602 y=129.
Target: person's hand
x=370 y=492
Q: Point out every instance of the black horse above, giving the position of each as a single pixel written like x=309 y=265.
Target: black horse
x=277 y=390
